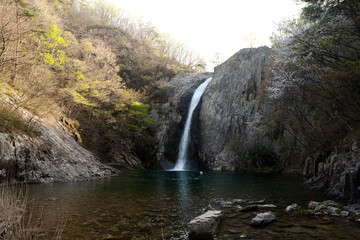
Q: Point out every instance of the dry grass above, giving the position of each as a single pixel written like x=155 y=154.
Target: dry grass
x=16 y=218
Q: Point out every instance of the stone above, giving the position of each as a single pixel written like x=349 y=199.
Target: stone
x=225 y=203
x=257 y=202
x=325 y=207
x=344 y=213
x=267 y=206
x=333 y=211
x=292 y=208
x=239 y=201
x=262 y=219
x=205 y=226
x=313 y=204
x=353 y=208
x=239 y=207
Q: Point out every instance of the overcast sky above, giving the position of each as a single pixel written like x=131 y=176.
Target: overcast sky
x=210 y=26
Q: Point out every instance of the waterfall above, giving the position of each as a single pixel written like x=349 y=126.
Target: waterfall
x=184 y=144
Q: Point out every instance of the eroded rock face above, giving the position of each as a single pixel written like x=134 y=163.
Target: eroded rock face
x=231 y=114
x=171 y=117
x=338 y=174
x=54 y=156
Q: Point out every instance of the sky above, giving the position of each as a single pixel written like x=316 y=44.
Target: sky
x=214 y=26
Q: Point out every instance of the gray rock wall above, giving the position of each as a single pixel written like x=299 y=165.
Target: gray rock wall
x=337 y=174
x=171 y=116
x=52 y=157
x=231 y=114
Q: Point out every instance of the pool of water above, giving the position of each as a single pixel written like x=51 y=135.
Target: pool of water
x=158 y=204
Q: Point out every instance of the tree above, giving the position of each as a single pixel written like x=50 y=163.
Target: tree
x=316 y=67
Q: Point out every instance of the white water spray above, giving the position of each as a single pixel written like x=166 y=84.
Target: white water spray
x=184 y=144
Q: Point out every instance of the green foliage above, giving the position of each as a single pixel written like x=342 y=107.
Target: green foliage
x=104 y=71
x=53 y=43
x=303 y=211
x=138 y=117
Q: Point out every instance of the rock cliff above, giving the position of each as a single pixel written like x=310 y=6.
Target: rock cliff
x=231 y=114
x=337 y=173
x=171 y=117
x=52 y=156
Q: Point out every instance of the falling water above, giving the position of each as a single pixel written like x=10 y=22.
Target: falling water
x=183 y=147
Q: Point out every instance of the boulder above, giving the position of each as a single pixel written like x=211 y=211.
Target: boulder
x=262 y=219
x=325 y=207
x=353 y=208
x=292 y=208
x=205 y=226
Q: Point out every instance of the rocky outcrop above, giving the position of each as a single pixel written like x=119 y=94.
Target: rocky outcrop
x=50 y=157
x=231 y=114
x=171 y=117
x=338 y=174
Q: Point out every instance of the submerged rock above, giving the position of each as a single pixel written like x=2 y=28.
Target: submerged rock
x=267 y=206
x=225 y=204
x=353 y=208
x=325 y=207
x=239 y=201
x=262 y=201
x=250 y=208
x=205 y=226
x=292 y=208
x=262 y=219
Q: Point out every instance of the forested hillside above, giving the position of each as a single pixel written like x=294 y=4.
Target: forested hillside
x=90 y=65
x=315 y=87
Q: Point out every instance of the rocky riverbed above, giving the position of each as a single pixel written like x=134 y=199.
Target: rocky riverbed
x=239 y=218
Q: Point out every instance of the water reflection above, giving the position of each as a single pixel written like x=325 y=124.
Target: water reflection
x=145 y=205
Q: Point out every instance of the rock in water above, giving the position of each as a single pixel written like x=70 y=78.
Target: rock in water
x=292 y=208
x=262 y=219
x=267 y=206
x=205 y=226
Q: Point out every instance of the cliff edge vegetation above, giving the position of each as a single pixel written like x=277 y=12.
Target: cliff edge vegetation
x=90 y=66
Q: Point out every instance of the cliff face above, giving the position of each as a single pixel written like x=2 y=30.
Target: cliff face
x=171 y=117
x=231 y=114
x=51 y=157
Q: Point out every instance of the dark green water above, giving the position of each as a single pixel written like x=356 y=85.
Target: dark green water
x=153 y=204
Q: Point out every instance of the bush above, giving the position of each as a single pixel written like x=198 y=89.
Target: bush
x=12 y=122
